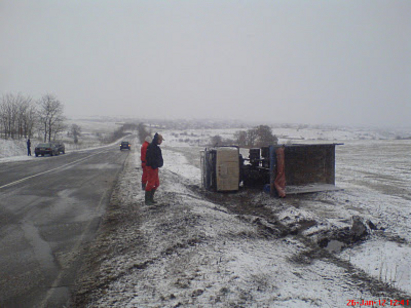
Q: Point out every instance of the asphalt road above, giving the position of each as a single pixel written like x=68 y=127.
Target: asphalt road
x=50 y=208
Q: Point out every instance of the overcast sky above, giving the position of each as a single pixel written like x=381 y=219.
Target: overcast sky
x=315 y=62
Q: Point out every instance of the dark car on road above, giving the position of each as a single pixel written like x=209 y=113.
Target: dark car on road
x=46 y=148
x=125 y=145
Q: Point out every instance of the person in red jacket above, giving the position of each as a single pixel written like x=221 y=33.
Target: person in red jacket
x=144 y=177
x=154 y=160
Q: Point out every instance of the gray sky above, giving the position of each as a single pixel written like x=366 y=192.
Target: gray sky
x=331 y=61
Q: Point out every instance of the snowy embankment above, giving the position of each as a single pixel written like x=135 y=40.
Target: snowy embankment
x=12 y=150
x=195 y=249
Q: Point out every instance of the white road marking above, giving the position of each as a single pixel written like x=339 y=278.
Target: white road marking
x=50 y=170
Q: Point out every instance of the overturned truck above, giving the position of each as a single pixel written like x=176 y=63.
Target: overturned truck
x=278 y=169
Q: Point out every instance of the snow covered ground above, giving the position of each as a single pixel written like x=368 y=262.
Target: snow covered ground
x=195 y=249
x=201 y=249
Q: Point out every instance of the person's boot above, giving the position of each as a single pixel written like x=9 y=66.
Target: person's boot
x=143 y=186
x=152 y=196
x=147 y=198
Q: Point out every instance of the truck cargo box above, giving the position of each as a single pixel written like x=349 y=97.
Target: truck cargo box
x=307 y=168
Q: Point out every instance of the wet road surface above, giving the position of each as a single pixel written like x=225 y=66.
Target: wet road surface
x=50 y=208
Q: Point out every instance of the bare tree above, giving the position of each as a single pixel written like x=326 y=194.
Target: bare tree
x=26 y=116
x=75 y=131
x=9 y=114
x=216 y=140
x=50 y=116
x=241 y=138
x=252 y=136
x=20 y=110
x=4 y=115
x=264 y=136
x=30 y=119
x=259 y=136
x=58 y=128
x=17 y=116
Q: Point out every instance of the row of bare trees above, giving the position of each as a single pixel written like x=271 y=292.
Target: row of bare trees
x=21 y=116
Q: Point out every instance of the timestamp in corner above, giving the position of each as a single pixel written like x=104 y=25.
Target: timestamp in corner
x=379 y=302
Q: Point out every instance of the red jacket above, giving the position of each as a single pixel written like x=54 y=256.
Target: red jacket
x=143 y=152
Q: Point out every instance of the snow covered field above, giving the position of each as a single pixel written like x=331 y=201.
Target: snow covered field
x=201 y=249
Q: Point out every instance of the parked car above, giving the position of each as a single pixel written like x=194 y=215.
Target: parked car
x=61 y=147
x=46 y=148
x=125 y=145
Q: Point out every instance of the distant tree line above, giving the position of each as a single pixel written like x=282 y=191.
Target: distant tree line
x=259 y=136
